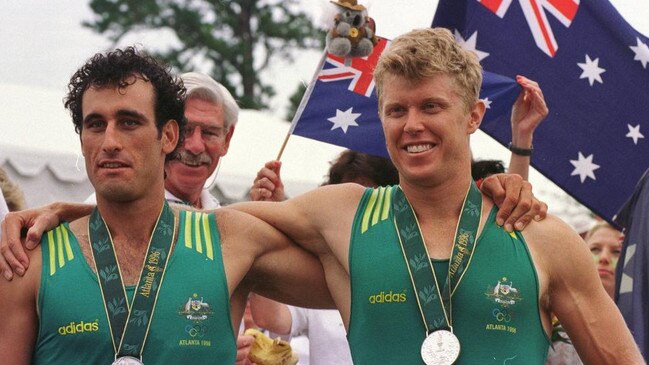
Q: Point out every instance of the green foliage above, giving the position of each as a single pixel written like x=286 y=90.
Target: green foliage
x=295 y=100
x=236 y=39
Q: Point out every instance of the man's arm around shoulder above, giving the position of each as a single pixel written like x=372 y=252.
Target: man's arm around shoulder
x=577 y=297
x=316 y=219
x=19 y=324
x=269 y=263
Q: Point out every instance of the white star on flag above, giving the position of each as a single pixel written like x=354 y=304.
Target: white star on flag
x=626 y=282
x=470 y=44
x=592 y=71
x=634 y=132
x=487 y=103
x=584 y=167
x=641 y=52
x=344 y=119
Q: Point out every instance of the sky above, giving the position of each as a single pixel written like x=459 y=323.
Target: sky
x=43 y=43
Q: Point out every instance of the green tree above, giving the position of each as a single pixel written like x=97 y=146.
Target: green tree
x=294 y=101
x=236 y=39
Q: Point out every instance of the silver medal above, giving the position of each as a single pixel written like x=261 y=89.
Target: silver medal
x=440 y=348
x=127 y=360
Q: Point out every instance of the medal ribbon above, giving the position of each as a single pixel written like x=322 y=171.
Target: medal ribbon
x=129 y=322
x=423 y=278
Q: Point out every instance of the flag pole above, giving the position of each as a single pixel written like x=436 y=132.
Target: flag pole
x=281 y=150
x=303 y=102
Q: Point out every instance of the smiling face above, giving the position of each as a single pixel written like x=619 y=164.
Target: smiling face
x=123 y=149
x=427 y=127
x=605 y=246
x=206 y=141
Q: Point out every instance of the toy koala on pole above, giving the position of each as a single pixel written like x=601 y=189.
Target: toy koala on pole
x=353 y=32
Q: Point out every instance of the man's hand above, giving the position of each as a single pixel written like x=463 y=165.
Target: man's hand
x=514 y=197
x=244 y=343
x=268 y=185
x=34 y=222
x=528 y=112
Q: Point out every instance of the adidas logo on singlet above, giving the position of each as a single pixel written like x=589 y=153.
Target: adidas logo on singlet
x=389 y=297
x=81 y=327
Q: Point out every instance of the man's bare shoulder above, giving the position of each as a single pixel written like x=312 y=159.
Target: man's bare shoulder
x=237 y=228
x=556 y=246
x=316 y=207
x=552 y=232
x=80 y=225
x=29 y=283
x=233 y=219
x=338 y=198
x=351 y=191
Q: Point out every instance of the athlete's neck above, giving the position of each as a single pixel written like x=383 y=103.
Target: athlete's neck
x=437 y=202
x=188 y=195
x=131 y=223
x=438 y=208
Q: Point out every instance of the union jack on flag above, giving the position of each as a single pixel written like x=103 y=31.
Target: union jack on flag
x=359 y=72
x=535 y=15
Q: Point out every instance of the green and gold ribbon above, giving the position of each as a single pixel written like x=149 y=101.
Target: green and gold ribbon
x=432 y=299
x=129 y=322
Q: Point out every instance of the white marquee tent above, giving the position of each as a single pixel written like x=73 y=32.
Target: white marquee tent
x=40 y=151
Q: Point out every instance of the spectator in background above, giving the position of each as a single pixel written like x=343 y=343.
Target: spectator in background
x=11 y=197
x=3 y=209
x=605 y=244
x=528 y=112
x=363 y=169
x=483 y=168
x=212 y=115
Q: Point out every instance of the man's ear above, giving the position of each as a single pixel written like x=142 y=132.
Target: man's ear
x=228 y=137
x=475 y=116
x=170 y=136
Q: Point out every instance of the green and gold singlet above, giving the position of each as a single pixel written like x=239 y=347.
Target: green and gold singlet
x=191 y=321
x=495 y=310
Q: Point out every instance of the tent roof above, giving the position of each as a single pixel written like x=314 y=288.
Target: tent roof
x=38 y=137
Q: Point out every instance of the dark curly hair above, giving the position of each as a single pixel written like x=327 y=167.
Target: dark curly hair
x=115 y=69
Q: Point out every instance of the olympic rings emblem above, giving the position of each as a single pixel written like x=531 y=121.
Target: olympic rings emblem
x=196 y=330
x=501 y=315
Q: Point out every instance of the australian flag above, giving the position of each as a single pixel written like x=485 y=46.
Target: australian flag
x=341 y=107
x=593 y=68
x=632 y=286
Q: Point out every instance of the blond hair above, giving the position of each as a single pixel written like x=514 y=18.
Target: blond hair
x=14 y=197
x=424 y=53
x=599 y=225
